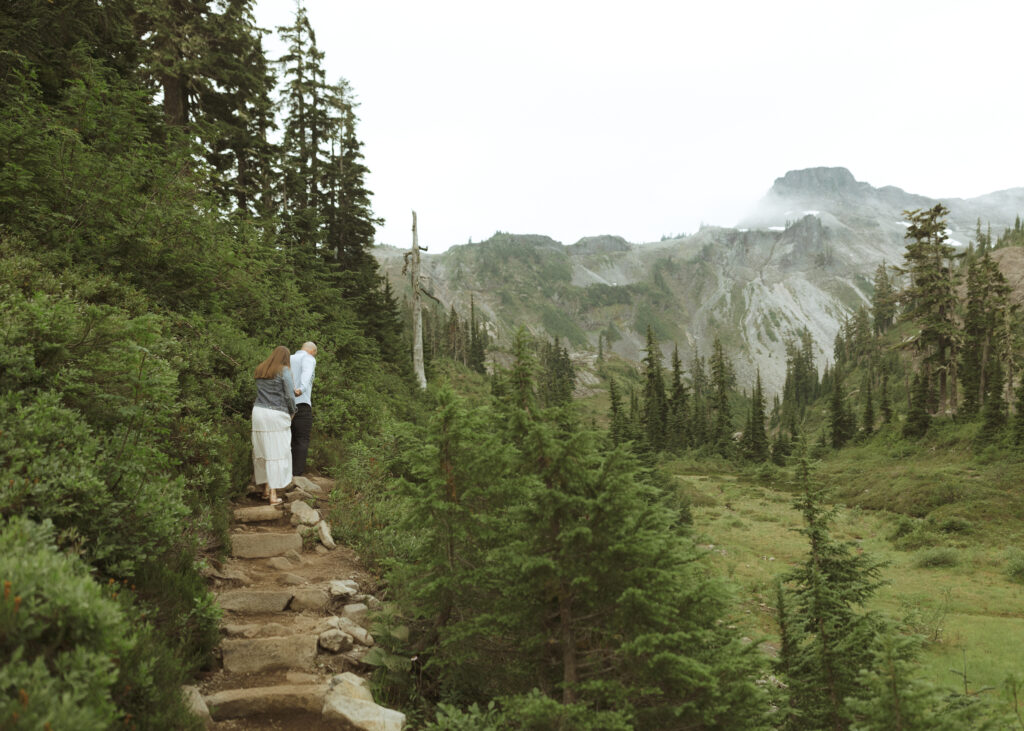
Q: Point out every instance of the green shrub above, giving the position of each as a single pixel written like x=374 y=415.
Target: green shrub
x=75 y=658
x=955 y=524
x=937 y=558
x=1015 y=564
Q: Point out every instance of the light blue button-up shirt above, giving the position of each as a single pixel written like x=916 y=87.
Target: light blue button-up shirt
x=303 y=365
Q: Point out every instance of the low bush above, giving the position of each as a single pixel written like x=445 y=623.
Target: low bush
x=937 y=558
x=1015 y=565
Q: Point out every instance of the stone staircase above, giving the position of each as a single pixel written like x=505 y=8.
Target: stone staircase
x=295 y=625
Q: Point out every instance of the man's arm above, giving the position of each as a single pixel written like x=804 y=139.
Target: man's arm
x=305 y=375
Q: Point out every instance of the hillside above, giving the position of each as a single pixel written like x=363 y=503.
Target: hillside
x=803 y=258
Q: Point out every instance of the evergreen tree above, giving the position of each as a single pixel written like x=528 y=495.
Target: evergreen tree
x=478 y=340
x=883 y=300
x=983 y=328
x=885 y=404
x=723 y=378
x=930 y=298
x=868 y=416
x=918 y=418
x=678 y=407
x=755 y=438
x=840 y=420
x=993 y=413
x=655 y=403
x=826 y=635
x=618 y=428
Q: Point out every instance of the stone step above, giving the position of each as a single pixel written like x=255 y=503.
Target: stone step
x=258 y=514
x=282 y=699
x=255 y=601
x=296 y=652
x=264 y=545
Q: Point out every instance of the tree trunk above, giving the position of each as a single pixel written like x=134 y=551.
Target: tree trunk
x=417 y=312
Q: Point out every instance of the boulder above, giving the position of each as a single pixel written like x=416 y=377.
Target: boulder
x=304 y=514
x=280 y=563
x=308 y=485
x=290 y=579
x=264 y=545
x=356 y=612
x=360 y=714
x=312 y=599
x=343 y=588
x=347 y=626
x=196 y=705
x=296 y=652
x=352 y=685
x=324 y=531
x=334 y=640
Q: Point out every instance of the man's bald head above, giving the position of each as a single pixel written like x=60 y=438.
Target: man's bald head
x=309 y=347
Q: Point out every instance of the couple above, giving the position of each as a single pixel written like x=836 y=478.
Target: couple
x=282 y=418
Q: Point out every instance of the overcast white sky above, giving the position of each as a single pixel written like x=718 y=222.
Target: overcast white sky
x=642 y=118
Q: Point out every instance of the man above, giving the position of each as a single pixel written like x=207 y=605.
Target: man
x=303 y=363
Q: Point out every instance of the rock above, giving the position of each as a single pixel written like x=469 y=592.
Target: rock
x=369 y=600
x=258 y=514
x=324 y=530
x=334 y=640
x=293 y=556
x=295 y=652
x=320 y=549
x=308 y=485
x=300 y=494
x=275 y=699
x=343 y=588
x=360 y=714
x=249 y=600
x=346 y=625
x=352 y=685
x=297 y=678
x=280 y=563
x=312 y=599
x=356 y=612
x=264 y=545
x=241 y=630
x=305 y=514
x=195 y=703
x=290 y=579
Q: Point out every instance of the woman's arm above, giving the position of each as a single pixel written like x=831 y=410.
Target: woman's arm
x=289 y=390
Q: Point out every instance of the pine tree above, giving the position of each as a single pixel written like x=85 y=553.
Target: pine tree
x=885 y=405
x=678 y=407
x=868 y=416
x=655 y=403
x=918 y=418
x=826 y=636
x=722 y=380
x=840 y=421
x=618 y=428
x=930 y=298
x=755 y=437
x=883 y=300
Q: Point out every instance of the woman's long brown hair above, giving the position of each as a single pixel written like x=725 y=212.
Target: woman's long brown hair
x=274 y=364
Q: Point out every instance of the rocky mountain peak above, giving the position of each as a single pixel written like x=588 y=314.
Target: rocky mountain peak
x=816 y=182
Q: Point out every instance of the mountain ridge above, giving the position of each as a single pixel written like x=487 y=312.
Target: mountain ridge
x=803 y=257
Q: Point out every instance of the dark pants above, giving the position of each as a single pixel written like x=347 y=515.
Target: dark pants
x=302 y=425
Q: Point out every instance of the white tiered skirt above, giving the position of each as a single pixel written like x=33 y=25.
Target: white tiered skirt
x=271 y=447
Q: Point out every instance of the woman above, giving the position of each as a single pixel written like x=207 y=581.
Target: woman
x=271 y=424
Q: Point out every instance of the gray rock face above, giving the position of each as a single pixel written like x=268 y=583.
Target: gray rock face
x=304 y=514
x=246 y=600
x=359 y=634
x=334 y=640
x=290 y=579
x=269 y=653
x=280 y=563
x=356 y=612
x=352 y=685
x=264 y=545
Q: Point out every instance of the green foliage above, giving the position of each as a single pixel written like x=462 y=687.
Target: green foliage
x=937 y=557
x=1015 y=564
x=78 y=655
